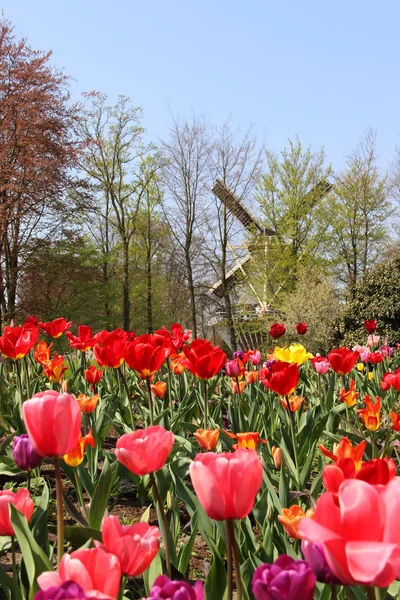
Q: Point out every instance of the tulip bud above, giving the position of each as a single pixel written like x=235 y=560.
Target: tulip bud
x=277 y=456
x=269 y=512
x=294 y=576
x=65 y=386
x=170 y=501
x=26 y=458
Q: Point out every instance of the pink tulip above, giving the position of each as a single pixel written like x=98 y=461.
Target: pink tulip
x=145 y=450
x=22 y=502
x=226 y=484
x=134 y=545
x=96 y=571
x=360 y=533
x=53 y=422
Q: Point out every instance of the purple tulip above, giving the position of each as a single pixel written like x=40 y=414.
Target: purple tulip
x=286 y=579
x=387 y=351
x=26 y=458
x=165 y=589
x=268 y=364
x=314 y=555
x=238 y=354
x=69 y=590
x=233 y=368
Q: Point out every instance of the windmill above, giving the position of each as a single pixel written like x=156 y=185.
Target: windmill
x=253 y=305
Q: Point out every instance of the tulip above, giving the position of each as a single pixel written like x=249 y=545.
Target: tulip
x=234 y=368
x=294 y=403
x=291 y=517
x=24 y=454
x=395 y=420
x=387 y=351
x=16 y=342
x=277 y=330
x=96 y=571
x=345 y=449
x=75 y=457
x=241 y=355
x=110 y=349
x=277 y=456
x=135 y=546
x=22 y=502
x=349 y=397
x=237 y=389
x=282 y=379
x=360 y=366
x=54 y=369
x=93 y=375
x=370 y=325
x=165 y=589
x=55 y=328
x=295 y=353
x=145 y=451
x=249 y=440
x=32 y=320
x=255 y=357
x=342 y=360
x=42 y=352
x=391 y=379
x=202 y=359
x=87 y=404
x=358 y=532
x=301 y=328
x=314 y=555
x=376 y=357
x=176 y=364
x=53 y=422
x=371 y=414
x=363 y=351
x=68 y=591
x=85 y=339
x=159 y=389
x=320 y=364
x=286 y=578
x=373 y=340
x=251 y=376
x=146 y=354
x=207 y=438
x=226 y=484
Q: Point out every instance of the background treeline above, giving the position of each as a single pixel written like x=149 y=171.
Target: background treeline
x=99 y=225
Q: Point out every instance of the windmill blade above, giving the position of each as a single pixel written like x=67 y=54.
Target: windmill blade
x=233 y=204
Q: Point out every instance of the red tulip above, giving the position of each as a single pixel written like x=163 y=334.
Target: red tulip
x=85 y=340
x=358 y=532
x=378 y=471
x=145 y=450
x=18 y=341
x=282 y=378
x=22 y=502
x=370 y=325
x=93 y=375
x=376 y=357
x=135 y=546
x=110 y=349
x=277 y=330
x=395 y=420
x=53 y=422
x=95 y=570
x=146 y=354
x=55 y=328
x=43 y=352
x=391 y=379
x=301 y=328
x=342 y=360
x=202 y=359
x=226 y=484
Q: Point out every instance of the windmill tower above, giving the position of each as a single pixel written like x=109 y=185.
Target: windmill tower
x=253 y=305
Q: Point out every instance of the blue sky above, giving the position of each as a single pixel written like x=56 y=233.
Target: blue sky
x=324 y=70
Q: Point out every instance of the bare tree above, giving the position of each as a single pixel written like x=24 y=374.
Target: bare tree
x=186 y=177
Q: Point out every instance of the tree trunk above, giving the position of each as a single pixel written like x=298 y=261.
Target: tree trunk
x=192 y=294
x=126 y=301
x=149 y=295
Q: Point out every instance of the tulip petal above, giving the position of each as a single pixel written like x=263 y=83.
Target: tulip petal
x=208 y=490
x=367 y=561
x=358 y=501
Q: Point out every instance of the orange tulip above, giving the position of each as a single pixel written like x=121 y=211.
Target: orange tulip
x=175 y=363
x=159 y=389
x=277 y=456
x=87 y=404
x=349 y=397
x=395 y=420
x=344 y=449
x=294 y=402
x=234 y=386
x=249 y=440
x=251 y=376
x=42 y=352
x=54 y=368
x=291 y=517
x=371 y=413
x=207 y=438
x=76 y=455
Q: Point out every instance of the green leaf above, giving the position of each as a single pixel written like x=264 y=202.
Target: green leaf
x=101 y=494
x=7 y=584
x=77 y=535
x=186 y=550
x=216 y=580
x=154 y=570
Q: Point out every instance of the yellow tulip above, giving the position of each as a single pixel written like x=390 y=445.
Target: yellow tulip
x=295 y=353
x=360 y=366
x=370 y=375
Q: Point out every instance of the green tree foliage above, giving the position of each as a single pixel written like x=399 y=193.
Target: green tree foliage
x=375 y=296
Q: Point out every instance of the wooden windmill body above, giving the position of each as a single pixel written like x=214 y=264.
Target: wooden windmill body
x=253 y=304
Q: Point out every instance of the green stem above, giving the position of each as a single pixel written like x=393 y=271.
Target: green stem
x=149 y=393
x=169 y=389
x=60 y=511
x=229 y=561
x=28 y=394
x=122 y=377
x=165 y=524
x=28 y=481
x=80 y=495
x=124 y=579
x=373 y=445
x=14 y=566
x=205 y=405
x=293 y=435
x=19 y=380
x=230 y=526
